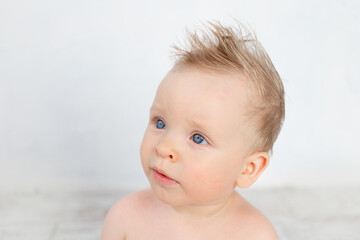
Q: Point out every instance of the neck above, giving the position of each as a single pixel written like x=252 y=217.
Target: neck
x=206 y=211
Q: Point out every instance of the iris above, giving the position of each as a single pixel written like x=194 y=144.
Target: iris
x=160 y=124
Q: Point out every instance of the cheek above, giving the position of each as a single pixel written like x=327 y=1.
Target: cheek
x=213 y=172
x=145 y=148
x=205 y=184
x=206 y=175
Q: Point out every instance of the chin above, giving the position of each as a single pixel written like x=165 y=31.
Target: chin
x=170 y=197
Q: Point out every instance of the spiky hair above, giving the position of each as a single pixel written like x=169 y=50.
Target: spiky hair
x=236 y=49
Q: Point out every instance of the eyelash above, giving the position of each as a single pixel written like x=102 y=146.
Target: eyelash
x=154 y=119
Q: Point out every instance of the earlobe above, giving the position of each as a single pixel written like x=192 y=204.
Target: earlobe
x=255 y=164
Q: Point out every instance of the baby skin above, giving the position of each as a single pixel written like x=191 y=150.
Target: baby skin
x=196 y=150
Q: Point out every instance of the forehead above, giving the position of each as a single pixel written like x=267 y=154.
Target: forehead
x=208 y=97
x=204 y=87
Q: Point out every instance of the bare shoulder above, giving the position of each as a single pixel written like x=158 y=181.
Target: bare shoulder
x=133 y=202
x=125 y=211
x=255 y=225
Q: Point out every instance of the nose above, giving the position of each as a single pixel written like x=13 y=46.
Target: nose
x=165 y=149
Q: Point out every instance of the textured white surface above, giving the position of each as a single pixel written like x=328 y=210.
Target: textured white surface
x=297 y=214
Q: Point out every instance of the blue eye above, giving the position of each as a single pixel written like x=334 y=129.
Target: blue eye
x=160 y=124
x=197 y=138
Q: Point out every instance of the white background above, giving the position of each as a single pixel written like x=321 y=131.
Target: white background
x=77 y=79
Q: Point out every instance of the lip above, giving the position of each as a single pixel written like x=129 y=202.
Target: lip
x=162 y=178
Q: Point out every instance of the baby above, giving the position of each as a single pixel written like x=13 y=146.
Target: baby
x=213 y=122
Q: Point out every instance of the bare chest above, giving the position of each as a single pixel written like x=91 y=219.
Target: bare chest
x=165 y=229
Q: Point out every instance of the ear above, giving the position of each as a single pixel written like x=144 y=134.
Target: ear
x=255 y=164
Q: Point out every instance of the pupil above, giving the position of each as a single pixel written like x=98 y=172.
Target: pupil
x=197 y=138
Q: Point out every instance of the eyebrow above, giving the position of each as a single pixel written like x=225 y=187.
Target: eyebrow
x=198 y=124
x=155 y=108
x=206 y=129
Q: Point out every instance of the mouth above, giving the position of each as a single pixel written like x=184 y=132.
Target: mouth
x=161 y=178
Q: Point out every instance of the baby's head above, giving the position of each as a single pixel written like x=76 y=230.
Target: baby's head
x=215 y=117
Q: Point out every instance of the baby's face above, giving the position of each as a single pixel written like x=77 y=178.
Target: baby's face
x=195 y=145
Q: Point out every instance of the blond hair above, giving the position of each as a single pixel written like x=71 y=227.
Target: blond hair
x=237 y=50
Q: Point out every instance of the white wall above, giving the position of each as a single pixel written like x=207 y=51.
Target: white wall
x=77 y=79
